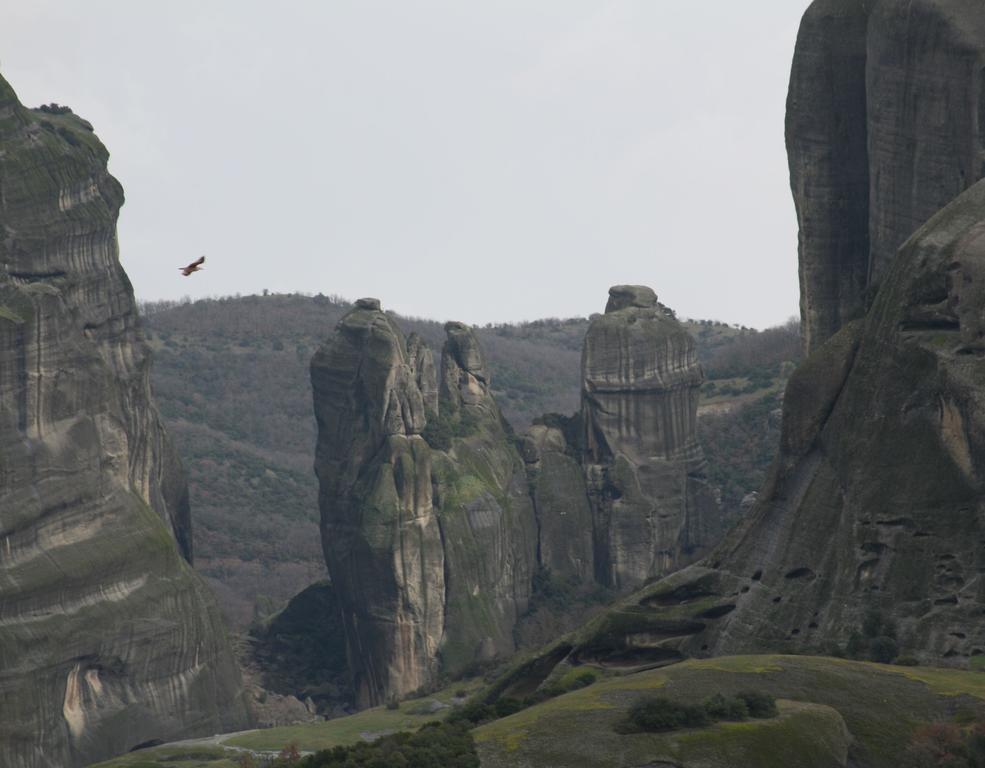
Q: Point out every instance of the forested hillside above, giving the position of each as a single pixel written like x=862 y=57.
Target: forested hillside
x=231 y=379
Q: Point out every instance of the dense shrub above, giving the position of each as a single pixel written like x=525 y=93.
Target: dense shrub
x=55 y=109
x=441 y=429
x=659 y=714
x=720 y=708
x=478 y=712
x=436 y=745
x=876 y=641
x=883 y=649
x=759 y=704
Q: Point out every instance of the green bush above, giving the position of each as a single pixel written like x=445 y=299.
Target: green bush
x=506 y=707
x=720 y=708
x=658 y=714
x=883 y=649
x=440 y=429
x=437 y=434
x=652 y=715
x=583 y=680
x=760 y=705
x=436 y=745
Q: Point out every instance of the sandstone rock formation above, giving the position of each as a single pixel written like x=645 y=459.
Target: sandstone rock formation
x=884 y=128
x=430 y=548
x=434 y=524
x=873 y=514
x=652 y=509
x=107 y=637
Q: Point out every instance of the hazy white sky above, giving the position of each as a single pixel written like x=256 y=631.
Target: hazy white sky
x=483 y=161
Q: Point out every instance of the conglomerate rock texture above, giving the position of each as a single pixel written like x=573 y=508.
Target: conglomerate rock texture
x=885 y=126
x=431 y=548
x=652 y=509
x=434 y=523
x=107 y=637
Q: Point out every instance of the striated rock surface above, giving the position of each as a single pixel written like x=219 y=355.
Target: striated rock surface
x=827 y=149
x=652 y=509
x=487 y=518
x=107 y=637
x=884 y=119
x=380 y=531
x=868 y=535
x=436 y=519
x=431 y=547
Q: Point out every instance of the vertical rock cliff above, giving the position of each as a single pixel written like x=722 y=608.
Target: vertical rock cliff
x=867 y=536
x=428 y=531
x=435 y=518
x=653 y=510
x=487 y=518
x=107 y=637
x=885 y=119
x=876 y=504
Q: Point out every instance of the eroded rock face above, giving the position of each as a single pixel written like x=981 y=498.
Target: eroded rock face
x=431 y=549
x=107 y=637
x=380 y=532
x=883 y=130
x=434 y=523
x=652 y=510
x=878 y=500
x=876 y=504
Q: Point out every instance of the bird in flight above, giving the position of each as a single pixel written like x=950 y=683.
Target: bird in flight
x=193 y=267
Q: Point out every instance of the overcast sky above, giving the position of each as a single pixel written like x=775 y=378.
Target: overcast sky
x=483 y=161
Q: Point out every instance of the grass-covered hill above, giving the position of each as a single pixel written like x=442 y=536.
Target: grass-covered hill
x=231 y=379
x=829 y=712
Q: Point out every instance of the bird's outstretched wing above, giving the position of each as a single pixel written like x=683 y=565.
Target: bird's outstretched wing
x=193 y=267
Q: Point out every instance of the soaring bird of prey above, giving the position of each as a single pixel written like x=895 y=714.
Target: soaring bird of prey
x=193 y=267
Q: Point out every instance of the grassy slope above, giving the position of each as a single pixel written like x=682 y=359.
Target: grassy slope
x=409 y=716
x=879 y=704
x=819 y=698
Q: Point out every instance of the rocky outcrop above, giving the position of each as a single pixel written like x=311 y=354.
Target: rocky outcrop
x=434 y=523
x=884 y=128
x=430 y=545
x=380 y=532
x=868 y=535
x=107 y=637
x=652 y=509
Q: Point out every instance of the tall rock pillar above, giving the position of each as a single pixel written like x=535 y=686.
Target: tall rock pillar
x=653 y=511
